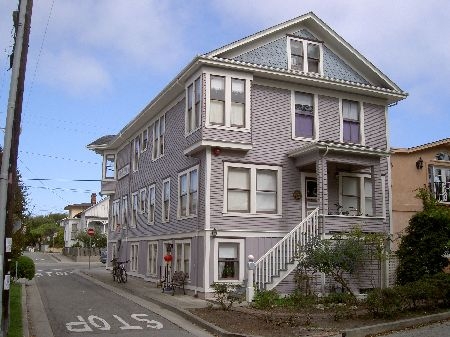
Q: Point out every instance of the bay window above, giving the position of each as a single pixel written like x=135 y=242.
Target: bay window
x=228 y=101
x=110 y=167
x=252 y=189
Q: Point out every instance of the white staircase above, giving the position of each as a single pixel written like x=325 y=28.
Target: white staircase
x=279 y=261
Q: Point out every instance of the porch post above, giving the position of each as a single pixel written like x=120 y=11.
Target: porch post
x=250 y=290
x=322 y=184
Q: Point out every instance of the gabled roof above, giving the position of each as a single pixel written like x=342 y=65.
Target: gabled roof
x=324 y=32
x=445 y=141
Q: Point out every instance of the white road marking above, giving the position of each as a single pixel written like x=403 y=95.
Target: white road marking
x=101 y=324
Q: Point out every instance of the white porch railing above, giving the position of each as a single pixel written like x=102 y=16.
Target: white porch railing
x=278 y=262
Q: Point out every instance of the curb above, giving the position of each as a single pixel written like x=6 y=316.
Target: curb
x=25 y=331
x=397 y=325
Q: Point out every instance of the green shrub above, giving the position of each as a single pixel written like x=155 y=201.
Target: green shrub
x=335 y=298
x=266 y=299
x=25 y=268
x=227 y=293
x=386 y=302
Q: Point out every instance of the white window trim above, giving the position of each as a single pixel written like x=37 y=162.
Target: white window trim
x=134 y=209
x=174 y=253
x=228 y=76
x=143 y=149
x=305 y=53
x=361 y=121
x=253 y=168
x=241 y=243
x=162 y=202
x=152 y=186
x=188 y=132
x=316 y=116
x=124 y=211
x=136 y=155
x=149 y=272
x=134 y=265
x=362 y=203
x=187 y=172
x=115 y=214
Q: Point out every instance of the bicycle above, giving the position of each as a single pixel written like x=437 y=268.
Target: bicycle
x=119 y=273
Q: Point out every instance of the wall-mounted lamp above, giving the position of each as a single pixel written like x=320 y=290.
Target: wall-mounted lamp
x=214 y=233
x=216 y=151
x=419 y=163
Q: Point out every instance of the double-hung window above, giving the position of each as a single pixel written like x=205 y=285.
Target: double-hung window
x=182 y=256
x=305 y=55
x=252 y=189
x=356 y=194
x=124 y=211
x=144 y=140
x=351 y=121
x=159 y=130
x=151 y=204
x=136 y=152
x=110 y=167
x=193 y=108
x=305 y=115
x=228 y=101
x=229 y=260
x=134 y=257
x=134 y=209
x=152 y=257
x=143 y=200
x=115 y=214
x=188 y=193
x=166 y=200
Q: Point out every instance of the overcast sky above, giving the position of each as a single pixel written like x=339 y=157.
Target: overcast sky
x=94 y=64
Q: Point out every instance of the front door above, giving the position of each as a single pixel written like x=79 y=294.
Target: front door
x=309 y=191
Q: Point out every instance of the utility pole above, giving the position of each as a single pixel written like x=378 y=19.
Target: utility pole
x=8 y=172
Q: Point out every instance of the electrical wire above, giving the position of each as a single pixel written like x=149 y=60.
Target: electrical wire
x=61 y=158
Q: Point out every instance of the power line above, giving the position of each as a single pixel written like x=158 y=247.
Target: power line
x=60 y=179
x=61 y=158
x=60 y=189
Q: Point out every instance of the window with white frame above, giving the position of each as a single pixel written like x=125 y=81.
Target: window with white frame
x=134 y=209
x=134 y=257
x=115 y=213
x=351 y=121
x=124 y=209
x=252 y=189
x=152 y=257
x=136 y=152
x=304 y=115
x=151 y=204
x=143 y=200
x=305 y=55
x=182 y=256
x=228 y=101
x=229 y=260
x=110 y=166
x=439 y=180
x=165 y=200
x=356 y=194
x=188 y=192
x=159 y=130
x=144 y=140
x=193 y=105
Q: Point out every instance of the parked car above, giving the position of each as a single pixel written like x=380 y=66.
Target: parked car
x=103 y=256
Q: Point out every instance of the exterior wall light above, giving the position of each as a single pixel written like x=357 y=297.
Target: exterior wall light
x=214 y=233
x=216 y=151
x=419 y=163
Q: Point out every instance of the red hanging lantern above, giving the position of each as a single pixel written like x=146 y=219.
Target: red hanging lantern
x=168 y=258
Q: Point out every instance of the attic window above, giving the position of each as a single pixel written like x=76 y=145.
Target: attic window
x=305 y=55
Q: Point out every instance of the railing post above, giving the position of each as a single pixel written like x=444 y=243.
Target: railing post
x=250 y=291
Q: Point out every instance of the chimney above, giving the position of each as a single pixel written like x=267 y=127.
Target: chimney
x=93 y=199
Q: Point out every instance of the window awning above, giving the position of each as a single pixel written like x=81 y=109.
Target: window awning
x=323 y=147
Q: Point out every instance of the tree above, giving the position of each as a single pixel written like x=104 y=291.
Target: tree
x=98 y=240
x=342 y=254
x=427 y=239
x=41 y=229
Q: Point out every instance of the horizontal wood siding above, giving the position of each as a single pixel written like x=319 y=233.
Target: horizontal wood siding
x=341 y=223
x=329 y=125
x=375 y=126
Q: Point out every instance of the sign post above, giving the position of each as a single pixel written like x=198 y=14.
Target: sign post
x=91 y=233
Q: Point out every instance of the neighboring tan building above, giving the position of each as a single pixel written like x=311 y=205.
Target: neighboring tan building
x=426 y=165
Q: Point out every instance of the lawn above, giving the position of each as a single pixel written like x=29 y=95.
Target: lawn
x=15 y=314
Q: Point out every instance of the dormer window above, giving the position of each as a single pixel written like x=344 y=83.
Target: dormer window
x=305 y=55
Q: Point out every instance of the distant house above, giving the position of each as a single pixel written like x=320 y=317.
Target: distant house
x=424 y=166
x=83 y=216
x=252 y=148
